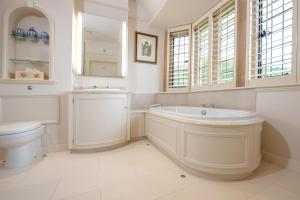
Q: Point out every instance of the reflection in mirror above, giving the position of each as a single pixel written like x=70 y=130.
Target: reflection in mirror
x=102 y=46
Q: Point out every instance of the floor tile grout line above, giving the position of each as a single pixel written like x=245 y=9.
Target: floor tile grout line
x=268 y=187
x=177 y=190
x=56 y=187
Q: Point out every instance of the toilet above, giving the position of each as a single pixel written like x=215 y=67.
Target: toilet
x=21 y=142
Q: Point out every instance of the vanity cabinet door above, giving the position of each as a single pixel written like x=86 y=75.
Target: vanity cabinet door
x=100 y=120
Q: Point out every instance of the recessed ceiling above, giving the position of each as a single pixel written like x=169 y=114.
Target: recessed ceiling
x=180 y=12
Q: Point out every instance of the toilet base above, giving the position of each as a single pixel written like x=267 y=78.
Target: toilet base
x=23 y=155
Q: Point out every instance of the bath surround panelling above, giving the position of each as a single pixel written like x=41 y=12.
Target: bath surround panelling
x=279 y=106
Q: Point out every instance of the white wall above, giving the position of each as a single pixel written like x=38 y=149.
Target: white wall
x=144 y=78
x=281 y=134
x=61 y=11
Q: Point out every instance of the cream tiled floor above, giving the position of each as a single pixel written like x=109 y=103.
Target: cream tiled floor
x=137 y=172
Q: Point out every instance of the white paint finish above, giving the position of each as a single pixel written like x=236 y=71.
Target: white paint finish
x=1 y=113
x=178 y=12
x=235 y=146
x=172 y=99
x=244 y=99
x=137 y=125
x=142 y=101
x=203 y=115
x=30 y=108
x=55 y=138
x=120 y=4
x=145 y=10
x=281 y=109
x=227 y=152
x=24 y=17
x=111 y=10
x=164 y=133
x=145 y=78
x=62 y=16
x=85 y=81
x=99 y=120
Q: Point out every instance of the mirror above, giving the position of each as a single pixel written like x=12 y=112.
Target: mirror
x=103 y=44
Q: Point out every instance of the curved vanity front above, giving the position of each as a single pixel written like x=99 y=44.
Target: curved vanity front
x=98 y=119
x=219 y=143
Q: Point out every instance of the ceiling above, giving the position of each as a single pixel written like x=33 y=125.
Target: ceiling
x=145 y=10
x=170 y=13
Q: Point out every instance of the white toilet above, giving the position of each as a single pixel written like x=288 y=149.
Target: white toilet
x=21 y=142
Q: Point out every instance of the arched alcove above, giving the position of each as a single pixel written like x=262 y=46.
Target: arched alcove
x=27 y=58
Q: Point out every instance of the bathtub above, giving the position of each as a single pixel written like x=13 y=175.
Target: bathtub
x=218 y=143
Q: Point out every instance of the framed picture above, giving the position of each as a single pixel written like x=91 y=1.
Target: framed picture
x=145 y=48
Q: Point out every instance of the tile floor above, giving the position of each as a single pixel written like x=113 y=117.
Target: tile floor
x=137 y=172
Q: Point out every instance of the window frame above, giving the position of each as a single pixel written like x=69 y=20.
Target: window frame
x=171 y=30
x=209 y=16
x=284 y=80
x=241 y=73
x=233 y=84
x=195 y=24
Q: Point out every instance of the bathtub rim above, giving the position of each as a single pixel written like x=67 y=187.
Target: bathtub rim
x=253 y=120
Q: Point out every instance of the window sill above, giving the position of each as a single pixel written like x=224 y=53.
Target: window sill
x=294 y=86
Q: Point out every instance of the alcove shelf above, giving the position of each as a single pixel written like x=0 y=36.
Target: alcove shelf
x=24 y=57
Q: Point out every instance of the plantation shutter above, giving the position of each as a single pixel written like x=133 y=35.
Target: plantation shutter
x=200 y=75
x=223 y=58
x=179 y=56
x=271 y=38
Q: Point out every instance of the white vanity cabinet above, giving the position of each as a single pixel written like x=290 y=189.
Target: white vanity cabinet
x=98 y=120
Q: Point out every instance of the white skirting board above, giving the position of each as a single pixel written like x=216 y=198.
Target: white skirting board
x=55 y=148
x=281 y=161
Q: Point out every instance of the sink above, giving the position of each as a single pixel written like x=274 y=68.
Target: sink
x=100 y=90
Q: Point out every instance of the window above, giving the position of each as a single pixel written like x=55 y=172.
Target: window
x=271 y=46
x=271 y=31
x=223 y=61
x=178 y=58
x=200 y=62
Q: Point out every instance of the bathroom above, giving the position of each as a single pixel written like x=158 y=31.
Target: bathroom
x=140 y=128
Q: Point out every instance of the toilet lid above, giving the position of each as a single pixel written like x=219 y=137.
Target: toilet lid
x=7 y=128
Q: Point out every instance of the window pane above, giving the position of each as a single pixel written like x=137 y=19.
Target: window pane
x=200 y=64
x=179 y=59
x=273 y=46
x=224 y=44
